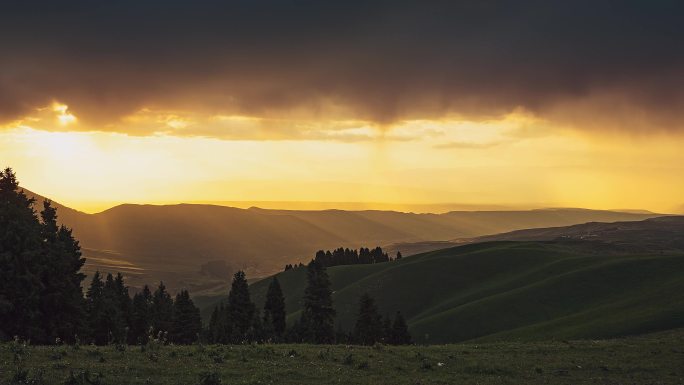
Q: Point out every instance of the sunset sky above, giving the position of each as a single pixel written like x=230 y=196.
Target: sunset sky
x=480 y=103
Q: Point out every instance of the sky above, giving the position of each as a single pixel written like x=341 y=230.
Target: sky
x=477 y=103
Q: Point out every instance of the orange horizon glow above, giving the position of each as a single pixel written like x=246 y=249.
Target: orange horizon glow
x=516 y=161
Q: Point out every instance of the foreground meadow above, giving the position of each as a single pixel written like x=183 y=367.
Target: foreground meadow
x=651 y=359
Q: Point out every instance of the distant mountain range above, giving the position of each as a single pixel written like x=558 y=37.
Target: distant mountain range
x=174 y=242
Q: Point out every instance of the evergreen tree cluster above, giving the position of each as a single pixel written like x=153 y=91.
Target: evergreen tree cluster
x=230 y=323
x=372 y=328
x=40 y=291
x=114 y=317
x=41 y=294
x=239 y=321
x=345 y=256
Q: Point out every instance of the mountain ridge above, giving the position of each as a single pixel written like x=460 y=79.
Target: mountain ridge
x=173 y=242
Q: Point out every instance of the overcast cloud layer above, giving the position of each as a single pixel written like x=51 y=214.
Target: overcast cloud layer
x=596 y=65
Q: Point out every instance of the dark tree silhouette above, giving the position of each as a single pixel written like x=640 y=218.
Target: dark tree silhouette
x=318 y=315
x=343 y=256
x=399 y=256
x=22 y=263
x=187 y=323
x=256 y=331
x=400 y=333
x=386 y=329
x=113 y=315
x=141 y=317
x=97 y=312
x=162 y=310
x=123 y=301
x=368 y=329
x=274 y=310
x=62 y=303
x=240 y=308
x=219 y=325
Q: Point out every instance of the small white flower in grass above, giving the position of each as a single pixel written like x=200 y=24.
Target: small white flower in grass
x=440 y=364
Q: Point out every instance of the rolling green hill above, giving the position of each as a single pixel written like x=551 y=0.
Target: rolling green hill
x=511 y=290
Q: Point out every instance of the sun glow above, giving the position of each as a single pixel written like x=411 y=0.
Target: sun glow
x=181 y=156
x=64 y=117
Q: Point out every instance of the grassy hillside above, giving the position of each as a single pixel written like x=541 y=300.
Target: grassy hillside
x=512 y=290
x=650 y=359
x=661 y=233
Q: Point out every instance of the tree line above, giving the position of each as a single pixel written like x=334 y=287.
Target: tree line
x=346 y=256
x=114 y=317
x=239 y=321
x=42 y=299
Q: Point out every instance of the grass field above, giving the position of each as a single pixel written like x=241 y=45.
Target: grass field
x=649 y=359
x=510 y=291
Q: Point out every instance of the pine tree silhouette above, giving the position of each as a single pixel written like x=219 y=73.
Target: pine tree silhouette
x=23 y=261
x=112 y=313
x=187 y=323
x=219 y=325
x=162 y=310
x=141 y=317
x=274 y=310
x=368 y=329
x=387 y=329
x=240 y=308
x=318 y=315
x=400 y=333
x=96 y=305
x=62 y=303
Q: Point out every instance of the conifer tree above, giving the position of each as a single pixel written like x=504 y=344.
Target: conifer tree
x=123 y=298
x=112 y=313
x=219 y=325
x=240 y=308
x=97 y=317
x=256 y=330
x=20 y=261
x=274 y=309
x=62 y=303
x=400 y=333
x=318 y=316
x=162 y=310
x=186 y=320
x=41 y=297
x=268 y=332
x=141 y=317
x=387 y=329
x=74 y=302
x=213 y=324
x=295 y=333
x=368 y=329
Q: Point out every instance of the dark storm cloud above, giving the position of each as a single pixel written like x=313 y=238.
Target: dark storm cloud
x=598 y=64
